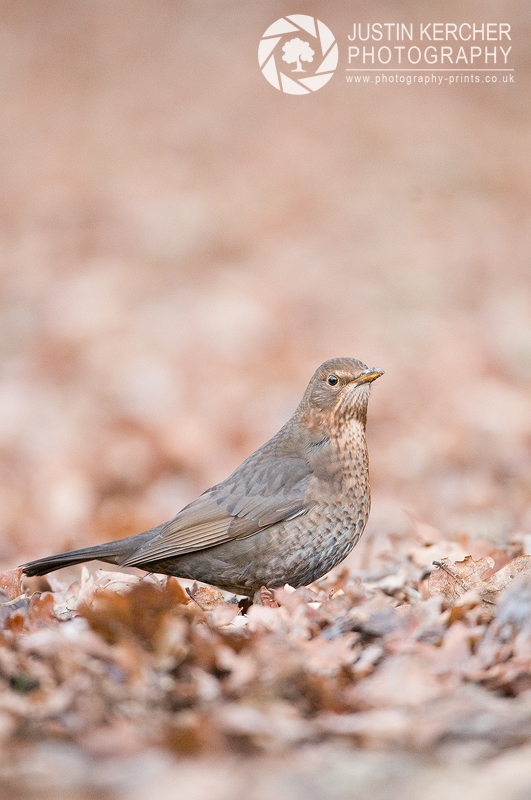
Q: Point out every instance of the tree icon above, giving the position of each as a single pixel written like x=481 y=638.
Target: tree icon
x=297 y=50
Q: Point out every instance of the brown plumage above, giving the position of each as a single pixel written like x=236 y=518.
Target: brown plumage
x=293 y=510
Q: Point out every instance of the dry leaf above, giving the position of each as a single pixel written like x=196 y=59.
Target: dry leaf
x=267 y=598
x=518 y=566
x=11 y=583
x=206 y=597
x=138 y=614
x=455 y=579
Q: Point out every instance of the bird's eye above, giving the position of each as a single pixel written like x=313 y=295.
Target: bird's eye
x=332 y=380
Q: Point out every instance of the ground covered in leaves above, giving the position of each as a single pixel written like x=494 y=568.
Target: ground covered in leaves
x=420 y=661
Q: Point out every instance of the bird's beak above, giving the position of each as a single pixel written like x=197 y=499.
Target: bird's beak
x=368 y=376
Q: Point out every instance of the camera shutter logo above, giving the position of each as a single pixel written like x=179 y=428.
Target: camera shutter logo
x=298 y=54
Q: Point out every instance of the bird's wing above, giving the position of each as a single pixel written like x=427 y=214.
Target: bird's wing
x=247 y=502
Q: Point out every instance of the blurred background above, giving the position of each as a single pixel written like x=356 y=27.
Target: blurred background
x=181 y=245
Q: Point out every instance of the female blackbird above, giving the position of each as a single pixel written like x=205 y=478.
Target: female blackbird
x=293 y=510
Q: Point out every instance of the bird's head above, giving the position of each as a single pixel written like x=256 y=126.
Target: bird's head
x=337 y=393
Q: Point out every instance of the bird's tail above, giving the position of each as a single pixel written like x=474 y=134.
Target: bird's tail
x=111 y=552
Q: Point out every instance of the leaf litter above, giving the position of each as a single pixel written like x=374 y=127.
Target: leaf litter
x=414 y=660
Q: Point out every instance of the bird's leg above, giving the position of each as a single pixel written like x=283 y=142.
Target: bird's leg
x=245 y=604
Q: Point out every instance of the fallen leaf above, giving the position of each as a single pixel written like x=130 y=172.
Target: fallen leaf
x=139 y=613
x=11 y=583
x=503 y=577
x=206 y=597
x=40 y=613
x=455 y=579
x=267 y=598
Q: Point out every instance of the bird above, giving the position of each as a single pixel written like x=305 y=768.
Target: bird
x=288 y=514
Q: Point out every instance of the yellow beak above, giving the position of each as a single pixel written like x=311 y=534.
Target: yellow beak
x=368 y=376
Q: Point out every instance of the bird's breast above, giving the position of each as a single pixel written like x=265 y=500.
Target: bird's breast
x=340 y=467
